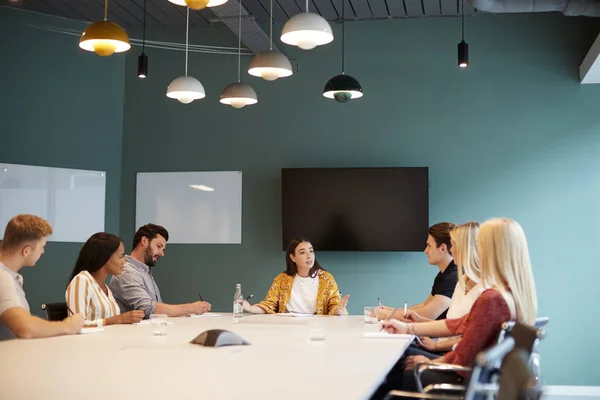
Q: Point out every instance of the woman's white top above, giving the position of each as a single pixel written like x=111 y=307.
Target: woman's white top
x=461 y=302
x=303 y=299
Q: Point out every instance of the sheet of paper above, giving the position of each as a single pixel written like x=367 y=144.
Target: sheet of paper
x=385 y=335
x=147 y=322
x=206 y=315
x=293 y=315
x=91 y=329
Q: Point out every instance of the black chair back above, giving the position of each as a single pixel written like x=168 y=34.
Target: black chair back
x=55 y=311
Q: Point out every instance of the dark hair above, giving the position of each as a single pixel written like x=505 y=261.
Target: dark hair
x=96 y=252
x=150 y=231
x=291 y=268
x=440 y=232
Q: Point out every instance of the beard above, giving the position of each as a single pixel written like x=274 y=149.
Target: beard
x=149 y=258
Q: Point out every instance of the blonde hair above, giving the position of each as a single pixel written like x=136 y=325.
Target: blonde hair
x=23 y=229
x=506 y=266
x=465 y=252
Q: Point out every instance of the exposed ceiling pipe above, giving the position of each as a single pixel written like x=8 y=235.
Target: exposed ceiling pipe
x=253 y=36
x=589 y=8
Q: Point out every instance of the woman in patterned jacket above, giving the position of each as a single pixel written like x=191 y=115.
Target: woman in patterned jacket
x=304 y=288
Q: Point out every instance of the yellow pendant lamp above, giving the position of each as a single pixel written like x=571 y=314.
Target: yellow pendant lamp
x=198 y=4
x=104 y=38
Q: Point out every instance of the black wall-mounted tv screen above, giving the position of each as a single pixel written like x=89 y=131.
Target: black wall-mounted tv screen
x=356 y=209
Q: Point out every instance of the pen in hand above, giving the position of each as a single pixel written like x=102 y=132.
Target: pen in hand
x=249 y=297
x=390 y=317
x=201 y=299
x=85 y=323
x=405 y=308
x=419 y=341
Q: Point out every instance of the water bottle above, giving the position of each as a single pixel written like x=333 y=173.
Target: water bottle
x=238 y=300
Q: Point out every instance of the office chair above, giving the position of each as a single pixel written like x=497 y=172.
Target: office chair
x=516 y=378
x=484 y=382
x=535 y=359
x=55 y=311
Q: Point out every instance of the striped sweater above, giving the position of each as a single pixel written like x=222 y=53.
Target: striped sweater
x=84 y=296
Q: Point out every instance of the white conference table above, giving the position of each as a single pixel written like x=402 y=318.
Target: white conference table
x=126 y=362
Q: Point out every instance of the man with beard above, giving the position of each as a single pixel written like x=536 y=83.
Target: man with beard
x=135 y=288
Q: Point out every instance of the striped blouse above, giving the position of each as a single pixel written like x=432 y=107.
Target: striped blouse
x=84 y=296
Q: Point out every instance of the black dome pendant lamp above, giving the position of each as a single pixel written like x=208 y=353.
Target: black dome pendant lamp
x=343 y=88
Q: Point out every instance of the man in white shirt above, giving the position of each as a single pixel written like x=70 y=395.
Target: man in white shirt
x=22 y=246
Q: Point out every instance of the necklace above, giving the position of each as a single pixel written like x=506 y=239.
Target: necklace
x=467 y=281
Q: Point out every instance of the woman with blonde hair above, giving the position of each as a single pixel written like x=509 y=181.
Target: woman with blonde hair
x=511 y=296
x=463 y=240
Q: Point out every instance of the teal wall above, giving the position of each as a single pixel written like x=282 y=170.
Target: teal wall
x=514 y=135
x=59 y=107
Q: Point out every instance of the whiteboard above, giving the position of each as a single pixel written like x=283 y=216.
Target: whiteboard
x=195 y=207
x=71 y=200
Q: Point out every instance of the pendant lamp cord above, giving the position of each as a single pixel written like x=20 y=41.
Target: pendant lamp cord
x=306 y=5
x=187 y=35
x=271 y=25
x=144 y=34
x=463 y=19
x=105 y=9
x=239 y=40
x=343 y=34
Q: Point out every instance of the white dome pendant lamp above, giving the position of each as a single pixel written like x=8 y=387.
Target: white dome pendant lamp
x=306 y=30
x=271 y=64
x=343 y=88
x=239 y=94
x=186 y=88
x=198 y=4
